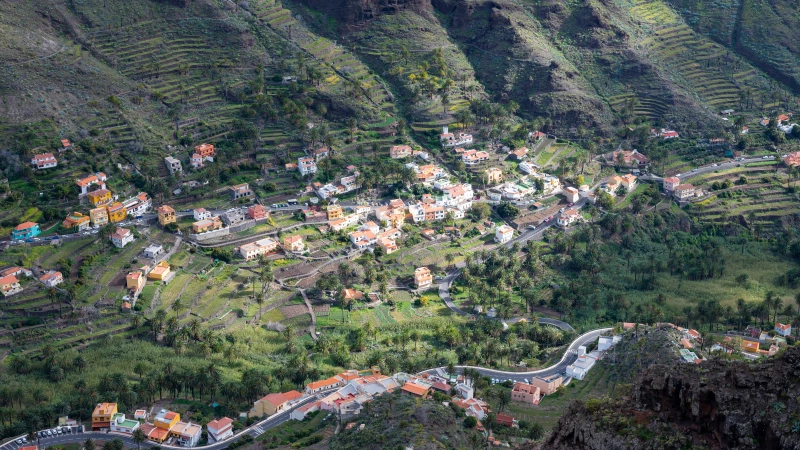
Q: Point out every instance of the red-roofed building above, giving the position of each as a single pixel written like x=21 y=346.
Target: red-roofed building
x=220 y=429
x=44 y=161
x=415 y=390
x=505 y=419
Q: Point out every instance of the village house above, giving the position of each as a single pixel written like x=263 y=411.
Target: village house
x=119 y=424
x=294 y=244
x=493 y=175
x=399 y=151
x=472 y=157
x=260 y=247
x=197 y=161
x=363 y=239
x=234 y=216
x=670 y=183
x=415 y=389
x=116 y=212
x=323 y=385
x=571 y=194
x=335 y=212
x=65 y=145
x=166 y=215
x=783 y=329
x=240 y=191
x=26 y=230
x=628 y=158
x=220 y=429
x=152 y=251
x=683 y=192
x=792 y=159
x=427 y=173
x=76 y=222
x=426 y=213
x=136 y=206
x=257 y=212
x=100 y=197
x=306 y=165
x=503 y=234
x=519 y=154
x=525 y=393
x=547 y=385
x=173 y=165
x=102 y=415
x=205 y=225
x=451 y=140
x=17 y=272
x=207 y=151
x=303 y=411
x=535 y=136
x=473 y=407
x=98 y=216
x=344 y=222
x=505 y=420
x=606 y=342
x=388 y=245
x=201 y=214
x=9 y=285
x=134 y=282
x=98 y=179
x=161 y=272
x=352 y=295
x=568 y=217
x=583 y=364
x=44 y=161
x=371 y=226
x=320 y=153
x=422 y=278
x=274 y=403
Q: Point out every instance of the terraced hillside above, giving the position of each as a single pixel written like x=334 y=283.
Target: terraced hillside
x=764 y=32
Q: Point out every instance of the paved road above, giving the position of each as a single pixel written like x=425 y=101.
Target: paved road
x=561 y=367
x=254 y=430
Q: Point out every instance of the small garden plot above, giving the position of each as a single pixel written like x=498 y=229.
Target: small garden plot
x=292 y=311
x=179 y=260
x=199 y=262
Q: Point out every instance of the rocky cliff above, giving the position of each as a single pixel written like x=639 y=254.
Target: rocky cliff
x=714 y=405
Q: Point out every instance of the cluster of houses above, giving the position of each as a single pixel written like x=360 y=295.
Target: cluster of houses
x=679 y=191
x=612 y=185
x=405 y=151
x=782 y=122
x=585 y=361
x=449 y=139
x=10 y=279
x=44 y=161
x=202 y=153
x=344 y=185
x=166 y=426
x=292 y=244
x=206 y=222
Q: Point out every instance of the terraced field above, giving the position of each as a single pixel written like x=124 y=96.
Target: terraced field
x=710 y=71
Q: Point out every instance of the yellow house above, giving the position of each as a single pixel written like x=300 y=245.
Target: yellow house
x=166 y=419
x=160 y=272
x=134 y=281
x=99 y=197
x=166 y=215
x=98 y=216
x=101 y=417
x=201 y=226
x=335 y=212
x=116 y=212
x=76 y=221
x=273 y=403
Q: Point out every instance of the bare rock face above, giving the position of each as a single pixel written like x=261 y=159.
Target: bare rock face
x=713 y=405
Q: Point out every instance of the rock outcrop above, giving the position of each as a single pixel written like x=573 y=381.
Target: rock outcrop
x=713 y=405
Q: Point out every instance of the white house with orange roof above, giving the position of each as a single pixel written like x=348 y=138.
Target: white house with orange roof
x=503 y=234
x=9 y=285
x=783 y=329
x=422 y=278
x=568 y=217
x=52 y=278
x=85 y=183
x=452 y=140
x=121 y=237
x=294 y=244
x=220 y=429
x=670 y=183
x=323 y=385
x=44 y=161
x=684 y=191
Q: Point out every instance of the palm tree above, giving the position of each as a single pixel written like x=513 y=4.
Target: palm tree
x=415 y=336
x=88 y=444
x=139 y=437
x=177 y=305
